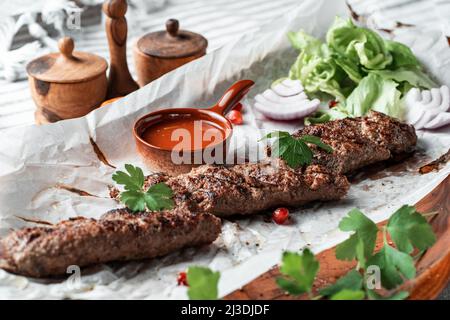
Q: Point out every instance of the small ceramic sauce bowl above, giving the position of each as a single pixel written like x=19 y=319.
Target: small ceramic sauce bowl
x=176 y=140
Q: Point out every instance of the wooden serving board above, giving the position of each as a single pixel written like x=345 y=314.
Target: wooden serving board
x=433 y=268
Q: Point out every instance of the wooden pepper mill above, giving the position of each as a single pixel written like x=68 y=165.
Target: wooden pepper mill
x=120 y=82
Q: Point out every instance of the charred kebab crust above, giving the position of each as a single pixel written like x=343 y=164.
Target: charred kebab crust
x=117 y=235
x=358 y=142
x=252 y=187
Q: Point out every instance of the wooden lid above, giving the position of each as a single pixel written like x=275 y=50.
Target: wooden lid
x=67 y=66
x=172 y=43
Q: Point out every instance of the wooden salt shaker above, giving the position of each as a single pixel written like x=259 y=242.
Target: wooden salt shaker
x=159 y=52
x=120 y=82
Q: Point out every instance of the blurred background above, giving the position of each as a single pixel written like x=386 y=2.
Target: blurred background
x=31 y=28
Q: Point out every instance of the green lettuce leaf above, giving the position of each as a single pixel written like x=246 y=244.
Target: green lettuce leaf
x=359 y=68
x=315 y=66
x=375 y=93
x=411 y=75
x=303 y=41
x=359 y=44
x=318 y=117
x=352 y=69
x=322 y=116
x=341 y=37
x=401 y=54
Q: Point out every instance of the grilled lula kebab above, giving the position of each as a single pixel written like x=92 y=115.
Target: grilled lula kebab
x=253 y=187
x=119 y=235
x=220 y=190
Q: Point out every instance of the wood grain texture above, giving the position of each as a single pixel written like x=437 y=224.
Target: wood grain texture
x=120 y=82
x=67 y=100
x=67 y=65
x=433 y=269
x=149 y=68
x=172 y=43
x=67 y=84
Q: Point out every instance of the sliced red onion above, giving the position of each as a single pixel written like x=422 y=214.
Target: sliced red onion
x=428 y=109
x=271 y=98
x=413 y=114
x=288 y=88
x=290 y=112
x=442 y=119
x=285 y=101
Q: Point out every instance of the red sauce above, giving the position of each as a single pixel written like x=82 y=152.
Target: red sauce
x=184 y=134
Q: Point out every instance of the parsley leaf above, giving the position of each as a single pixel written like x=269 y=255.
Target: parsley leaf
x=406 y=227
x=361 y=244
x=133 y=181
x=394 y=265
x=409 y=229
x=294 y=151
x=299 y=271
x=134 y=200
x=203 y=283
x=352 y=281
x=361 y=255
x=276 y=134
x=348 y=294
x=401 y=295
x=157 y=197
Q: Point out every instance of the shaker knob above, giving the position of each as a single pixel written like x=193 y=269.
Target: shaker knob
x=66 y=46
x=115 y=9
x=172 y=26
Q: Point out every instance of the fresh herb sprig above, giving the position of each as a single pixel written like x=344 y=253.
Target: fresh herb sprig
x=157 y=197
x=408 y=230
x=295 y=151
x=203 y=283
x=299 y=272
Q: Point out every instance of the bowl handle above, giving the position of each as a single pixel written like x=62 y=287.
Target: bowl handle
x=232 y=96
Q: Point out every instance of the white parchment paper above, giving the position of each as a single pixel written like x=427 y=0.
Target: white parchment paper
x=37 y=164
